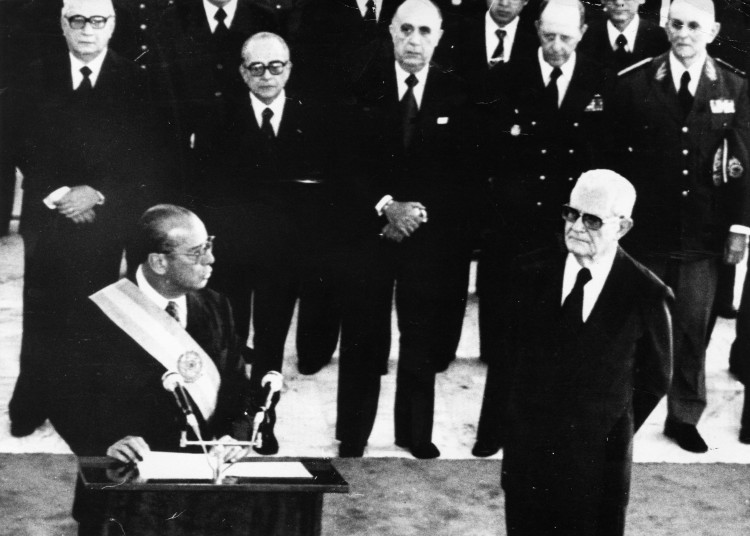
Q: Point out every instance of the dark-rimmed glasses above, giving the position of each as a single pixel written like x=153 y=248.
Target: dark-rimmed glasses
x=258 y=68
x=78 y=22
x=591 y=222
x=677 y=25
x=197 y=253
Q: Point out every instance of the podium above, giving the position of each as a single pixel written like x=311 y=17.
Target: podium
x=128 y=504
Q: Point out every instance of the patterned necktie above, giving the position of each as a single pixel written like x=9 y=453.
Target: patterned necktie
x=684 y=95
x=553 y=95
x=370 y=13
x=84 y=88
x=173 y=310
x=221 y=28
x=498 y=55
x=621 y=52
x=572 y=309
x=266 y=128
x=409 y=110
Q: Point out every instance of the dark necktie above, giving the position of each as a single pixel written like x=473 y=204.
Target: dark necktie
x=684 y=95
x=221 y=28
x=84 y=88
x=173 y=310
x=553 y=94
x=409 y=110
x=370 y=13
x=621 y=52
x=497 y=56
x=266 y=128
x=572 y=309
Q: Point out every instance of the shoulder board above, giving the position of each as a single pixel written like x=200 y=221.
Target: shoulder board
x=635 y=66
x=729 y=66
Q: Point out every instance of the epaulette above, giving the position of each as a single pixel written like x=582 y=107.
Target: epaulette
x=634 y=66
x=731 y=67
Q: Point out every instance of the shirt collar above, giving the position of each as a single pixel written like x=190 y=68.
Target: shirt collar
x=402 y=75
x=230 y=8
x=152 y=294
x=599 y=269
x=566 y=68
x=95 y=65
x=362 y=5
x=277 y=107
x=630 y=33
x=490 y=37
x=695 y=70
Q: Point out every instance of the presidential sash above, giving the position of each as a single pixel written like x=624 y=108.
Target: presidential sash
x=164 y=339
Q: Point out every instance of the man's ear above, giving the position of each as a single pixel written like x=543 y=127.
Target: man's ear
x=157 y=262
x=626 y=224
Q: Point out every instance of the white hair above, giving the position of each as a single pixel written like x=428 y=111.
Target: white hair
x=620 y=192
x=68 y=5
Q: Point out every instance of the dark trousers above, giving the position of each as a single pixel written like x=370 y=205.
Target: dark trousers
x=694 y=285
x=430 y=277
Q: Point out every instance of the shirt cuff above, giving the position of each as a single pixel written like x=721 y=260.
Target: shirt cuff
x=740 y=229
x=387 y=199
x=54 y=198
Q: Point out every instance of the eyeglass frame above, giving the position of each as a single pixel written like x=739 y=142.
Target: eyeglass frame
x=266 y=67
x=692 y=26
x=88 y=20
x=205 y=248
x=592 y=222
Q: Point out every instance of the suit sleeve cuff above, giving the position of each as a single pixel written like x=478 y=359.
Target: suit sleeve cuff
x=388 y=198
x=740 y=229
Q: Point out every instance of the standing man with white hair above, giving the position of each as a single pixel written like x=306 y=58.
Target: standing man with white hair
x=579 y=392
x=683 y=122
x=86 y=142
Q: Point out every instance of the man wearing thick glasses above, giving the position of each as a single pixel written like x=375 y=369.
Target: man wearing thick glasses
x=85 y=141
x=589 y=345
x=683 y=125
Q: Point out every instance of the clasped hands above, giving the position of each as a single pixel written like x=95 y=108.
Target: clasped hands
x=78 y=204
x=132 y=449
x=404 y=218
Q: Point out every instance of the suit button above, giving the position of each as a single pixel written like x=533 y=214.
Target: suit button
x=143 y=67
x=143 y=47
x=684 y=129
x=685 y=172
x=685 y=193
x=142 y=6
x=219 y=66
x=544 y=151
x=143 y=26
x=533 y=123
x=570 y=179
x=217 y=94
x=685 y=152
x=630 y=149
x=571 y=151
x=542 y=177
x=539 y=203
x=575 y=125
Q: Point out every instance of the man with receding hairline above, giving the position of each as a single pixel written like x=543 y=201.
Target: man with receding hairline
x=682 y=126
x=579 y=392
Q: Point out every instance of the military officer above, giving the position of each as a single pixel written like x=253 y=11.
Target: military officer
x=682 y=123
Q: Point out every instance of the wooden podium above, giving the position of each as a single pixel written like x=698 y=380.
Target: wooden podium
x=257 y=506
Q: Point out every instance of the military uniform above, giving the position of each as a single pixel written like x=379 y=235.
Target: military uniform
x=690 y=172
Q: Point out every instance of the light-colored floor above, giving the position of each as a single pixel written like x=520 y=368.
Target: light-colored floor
x=307 y=411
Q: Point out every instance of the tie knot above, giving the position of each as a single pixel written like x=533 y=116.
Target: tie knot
x=173 y=310
x=685 y=79
x=220 y=15
x=85 y=71
x=583 y=277
x=411 y=80
x=556 y=73
x=501 y=34
x=267 y=114
x=621 y=41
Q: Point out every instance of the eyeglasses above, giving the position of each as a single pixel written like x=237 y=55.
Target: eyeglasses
x=591 y=222
x=198 y=253
x=78 y=22
x=677 y=25
x=258 y=68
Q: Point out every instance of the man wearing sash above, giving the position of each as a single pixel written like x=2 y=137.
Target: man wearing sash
x=135 y=332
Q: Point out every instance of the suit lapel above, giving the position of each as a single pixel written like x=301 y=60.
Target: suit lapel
x=580 y=92
x=706 y=88
x=663 y=90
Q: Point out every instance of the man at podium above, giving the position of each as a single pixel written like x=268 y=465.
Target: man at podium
x=162 y=324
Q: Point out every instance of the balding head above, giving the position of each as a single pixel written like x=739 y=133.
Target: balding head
x=560 y=28
x=78 y=18
x=269 y=53
x=415 y=30
x=691 y=27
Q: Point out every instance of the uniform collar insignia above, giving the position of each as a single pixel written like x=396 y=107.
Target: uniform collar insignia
x=710 y=69
x=661 y=72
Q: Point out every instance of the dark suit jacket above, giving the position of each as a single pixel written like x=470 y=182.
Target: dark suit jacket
x=205 y=71
x=670 y=160
x=576 y=400
x=544 y=150
x=487 y=82
x=650 y=40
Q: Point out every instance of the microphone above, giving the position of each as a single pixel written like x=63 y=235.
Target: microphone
x=172 y=382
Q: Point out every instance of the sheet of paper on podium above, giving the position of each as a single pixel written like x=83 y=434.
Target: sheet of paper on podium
x=184 y=466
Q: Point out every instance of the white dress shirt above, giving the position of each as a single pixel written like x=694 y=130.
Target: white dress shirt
x=591 y=290
x=695 y=70
x=277 y=107
x=160 y=300
x=418 y=90
x=95 y=65
x=362 y=5
x=564 y=80
x=230 y=8
x=491 y=40
x=630 y=33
